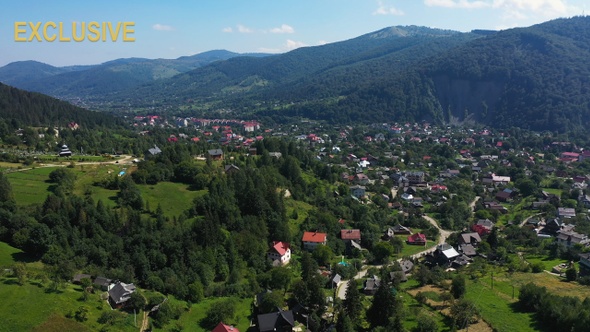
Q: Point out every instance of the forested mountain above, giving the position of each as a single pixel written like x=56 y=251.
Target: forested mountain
x=308 y=72
x=88 y=81
x=535 y=77
x=20 y=108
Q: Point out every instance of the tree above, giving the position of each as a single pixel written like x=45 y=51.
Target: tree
x=463 y=313
x=385 y=305
x=220 y=311
x=458 y=286
x=382 y=251
x=571 y=274
x=426 y=323
x=7 y=201
x=352 y=304
x=280 y=278
x=344 y=323
x=195 y=292
x=270 y=302
x=81 y=314
x=136 y=301
x=323 y=254
x=20 y=272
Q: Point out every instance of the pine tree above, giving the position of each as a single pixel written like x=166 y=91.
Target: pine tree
x=353 y=302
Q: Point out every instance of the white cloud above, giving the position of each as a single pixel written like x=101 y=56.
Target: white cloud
x=387 y=10
x=244 y=29
x=227 y=29
x=549 y=8
x=292 y=44
x=162 y=27
x=283 y=29
x=466 y=4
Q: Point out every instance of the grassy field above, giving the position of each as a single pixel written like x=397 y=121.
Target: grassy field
x=547 y=262
x=498 y=308
x=31 y=307
x=190 y=320
x=302 y=209
x=175 y=198
x=30 y=186
x=6 y=254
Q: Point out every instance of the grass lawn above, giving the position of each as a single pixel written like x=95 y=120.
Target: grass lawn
x=302 y=209
x=190 y=320
x=31 y=186
x=556 y=192
x=546 y=261
x=175 y=198
x=498 y=309
x=6 y=254
x=31 y=307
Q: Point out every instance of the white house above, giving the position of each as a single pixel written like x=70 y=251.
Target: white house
x=280 y=253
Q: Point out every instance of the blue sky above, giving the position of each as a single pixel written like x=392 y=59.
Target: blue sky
x=169 y=29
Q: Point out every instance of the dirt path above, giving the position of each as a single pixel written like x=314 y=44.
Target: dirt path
x=144 y=322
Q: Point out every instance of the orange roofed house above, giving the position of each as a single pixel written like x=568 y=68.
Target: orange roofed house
x=280 y=253
x=313 y=239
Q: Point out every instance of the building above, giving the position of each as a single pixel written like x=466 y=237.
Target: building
x=417 y=239
x=280 y=253
x=280 y=321
x=120 y=293
x=313 y=239
x=415 y=177
x=215 y=154
x=65 y=151
x=358 y=191
x=350 y=235
x=224 y=328
x=371 y=285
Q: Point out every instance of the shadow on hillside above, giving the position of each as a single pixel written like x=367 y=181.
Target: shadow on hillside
x=535 y=324
x=22 y=257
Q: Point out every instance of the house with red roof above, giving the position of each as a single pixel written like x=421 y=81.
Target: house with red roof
x=280 y=253
x=350 y=235
x=313 y=239
x=224 y=328
x=417 y=239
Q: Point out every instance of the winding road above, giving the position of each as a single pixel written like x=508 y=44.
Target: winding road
x=444 y=235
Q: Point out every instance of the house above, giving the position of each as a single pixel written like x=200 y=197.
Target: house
x=483 y=226
x=120 y=293
x=335 y=280
x=358 y=191
x=571 y=238
x=215 y=154
x=388 y=234
x=153 y=152
x=224 y=328
x=312 y=239
x=585 y=264
x=361 y=178
x=496 y=179
x=468 y=249
x=399 y=229
x=445 y=254
x=406 y=265
x=371 y=285
x=280 y=253
x=553 y=226
x=229 y=169
x=77 y=279
x=102 y=283
x=415 y=177
x=566 y=213
x=470 y=238
x=417 y=239
x=503 y=196
x=348 y=235
x=280 y=321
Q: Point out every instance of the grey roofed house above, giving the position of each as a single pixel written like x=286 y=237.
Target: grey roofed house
x=398 y=274
x=468 y=249
x=399 y=229
x=102 y=282
x=279 y=321
x=406 y=265
x=121 y=292
x=447 y=250
x=230 y=168
x=472 y=237
x=78 y=278
x=566 y=212
x=215 y=152
x=371 y=285
x=154 y=151
x=335 y=280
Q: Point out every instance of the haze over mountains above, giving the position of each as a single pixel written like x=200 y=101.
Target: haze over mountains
x=535 y=77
